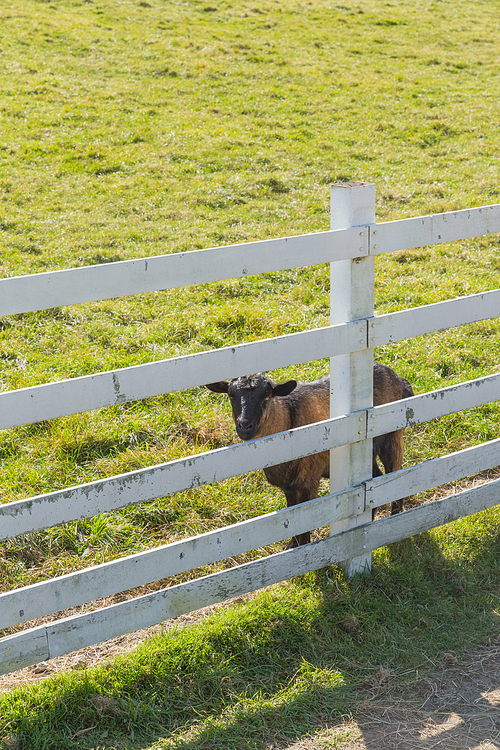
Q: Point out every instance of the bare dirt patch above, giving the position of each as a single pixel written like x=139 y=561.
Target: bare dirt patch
x=456 y=708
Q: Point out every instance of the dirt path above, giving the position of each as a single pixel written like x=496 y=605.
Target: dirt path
x=457 y=708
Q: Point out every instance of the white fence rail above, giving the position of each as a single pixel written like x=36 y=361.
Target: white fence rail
x=142 y=568
x=40 y=402
x=63 y=636
x=75 y=285
x=350 y=505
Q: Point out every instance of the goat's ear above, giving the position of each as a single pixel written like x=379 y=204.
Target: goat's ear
x=220 y=387
x=283 y=389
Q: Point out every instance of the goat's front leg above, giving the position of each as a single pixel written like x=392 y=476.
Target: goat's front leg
x=392 y=458
x=295 y=496
x=375 y=473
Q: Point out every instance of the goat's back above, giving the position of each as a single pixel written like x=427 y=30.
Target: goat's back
x=309 y=402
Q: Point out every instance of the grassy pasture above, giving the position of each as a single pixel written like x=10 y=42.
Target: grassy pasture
x=138 y=128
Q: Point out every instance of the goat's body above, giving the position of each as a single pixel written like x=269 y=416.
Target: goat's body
x=258 y=412
x=299 y=479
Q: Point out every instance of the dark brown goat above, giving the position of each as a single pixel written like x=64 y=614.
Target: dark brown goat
x=262 y=407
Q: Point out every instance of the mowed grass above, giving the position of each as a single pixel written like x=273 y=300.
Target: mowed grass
x=140 y=128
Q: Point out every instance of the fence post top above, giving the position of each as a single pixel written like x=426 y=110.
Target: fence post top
x=351 y=184
x=352 y=207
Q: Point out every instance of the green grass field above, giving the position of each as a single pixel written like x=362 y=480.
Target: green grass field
x=134 y=128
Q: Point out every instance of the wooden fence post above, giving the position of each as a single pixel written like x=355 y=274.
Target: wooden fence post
x=351 y=375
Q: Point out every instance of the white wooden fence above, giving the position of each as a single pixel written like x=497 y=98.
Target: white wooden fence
x=350 y=246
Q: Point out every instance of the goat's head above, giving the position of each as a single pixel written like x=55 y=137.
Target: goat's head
x=250 y=397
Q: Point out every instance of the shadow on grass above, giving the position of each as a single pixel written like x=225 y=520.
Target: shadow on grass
x=94 y=448
x=288 y=664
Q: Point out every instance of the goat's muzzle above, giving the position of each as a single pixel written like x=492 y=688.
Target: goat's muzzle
x=245 y=429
